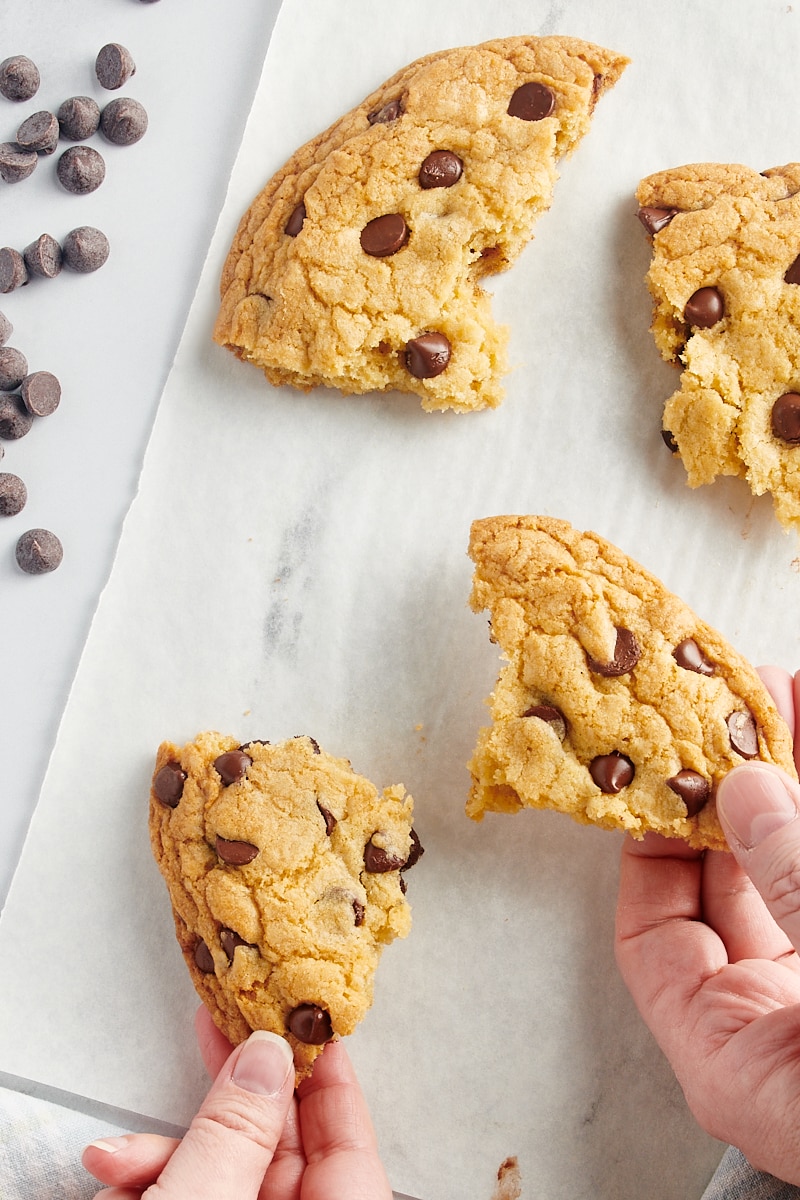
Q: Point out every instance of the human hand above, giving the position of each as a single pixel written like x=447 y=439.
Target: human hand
x=254 y=1138
x=708 y=947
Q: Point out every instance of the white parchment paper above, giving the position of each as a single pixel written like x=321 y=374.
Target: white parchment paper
x=298 y=564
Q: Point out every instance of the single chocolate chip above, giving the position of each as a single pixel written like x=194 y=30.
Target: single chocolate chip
x=704 y=308
x=743 y=733
x=793 y=272
x=387 y=113
x=114 y=66
x=230 y=941
x=611 y=772
x=15 y=420
x=238 y=854
x=441 y=169
x=43 y=257
x=232 y=766
x=6 y=329
x=654 y=218
x=532 y=102
x=39 y=133
x=296 y=219
x=692 y=788
x=41 y=393
x=378 y=861
x=669 y=441
x=552 y=716
x=310 y=1024
x=13 y=368
x=19 y=78
x=85 y=249
x=38 y=551
x=123 y=121
x=13 y=495
x=626 y=656
x=687 y=654
x=786 y=417
x=359 y=912
x=427 y=355
x=78 y=118
x=415 y=853
x=385 y=235
x=13 y=272
x=328 y=818
x=80 y=170
x=16 y=164
x=203 y=958
x=168 y=784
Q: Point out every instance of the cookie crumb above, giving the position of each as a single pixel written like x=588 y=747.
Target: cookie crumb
x=509 y=1180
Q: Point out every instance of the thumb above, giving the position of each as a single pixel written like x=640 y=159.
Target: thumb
x=230 y=1143
x=758 y=806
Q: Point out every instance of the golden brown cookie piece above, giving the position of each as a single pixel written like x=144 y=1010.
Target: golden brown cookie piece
x=725 y=281
x=284 y=869
x=359 y=265
x=618 y=705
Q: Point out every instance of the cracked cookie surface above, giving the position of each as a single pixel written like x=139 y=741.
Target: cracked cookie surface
x=283 y=868
x=618 y=705
x=725 y=281
x=359 y=264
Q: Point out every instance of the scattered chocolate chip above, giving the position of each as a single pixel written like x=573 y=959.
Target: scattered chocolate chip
x=310 y=1024
x=114 y=66
x=13 y=368
x=669 y=441
x=6 y=329
x=611 y=772
x=359 y=912
x=704 y=308
x=80 y=170
x=238 y=854
x=78 y=118
x=168 y=784
x=388 y=113
x=232 y=766
x=441 y=169
x=13 y=495
x=385 y=235
x=203 y=958
x=16 y=164
x=230 y=941
x=786 y=417
x=532 y=102
x=41 y=393
x=655 y=219
x=123 y=121
x=793 y=272
x=692 y=788
x=626 y=656
x=329 y=819
x=296 y=219
x=85 y=249
x=427 y=355
x=19 y=78
x=38 y=551
x=39 y=133
x=378 y=861
x=15 y=420
x=43 y=257
x=687 y=654
x=13 y=272
x=415 y=853
x=552 y=716
x=743 y=733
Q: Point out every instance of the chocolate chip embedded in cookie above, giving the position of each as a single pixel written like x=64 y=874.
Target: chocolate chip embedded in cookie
x=725 y=278
x=285 y=870
x=358 y=266
x=618 y=705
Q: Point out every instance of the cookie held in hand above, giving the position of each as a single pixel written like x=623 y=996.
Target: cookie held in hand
x=285 y=872
x=358 y=266
x=618 y=705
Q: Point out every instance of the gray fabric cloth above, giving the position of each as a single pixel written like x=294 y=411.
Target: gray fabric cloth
x=735 y=1179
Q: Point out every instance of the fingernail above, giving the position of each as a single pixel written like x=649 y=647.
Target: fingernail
x=111 y=1144
x=264 y=1063
x=752 y=803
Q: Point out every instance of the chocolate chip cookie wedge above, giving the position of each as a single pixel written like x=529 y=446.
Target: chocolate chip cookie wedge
x=285 y=870
x=618 y=705
x=725 y=282
x=359 y=265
